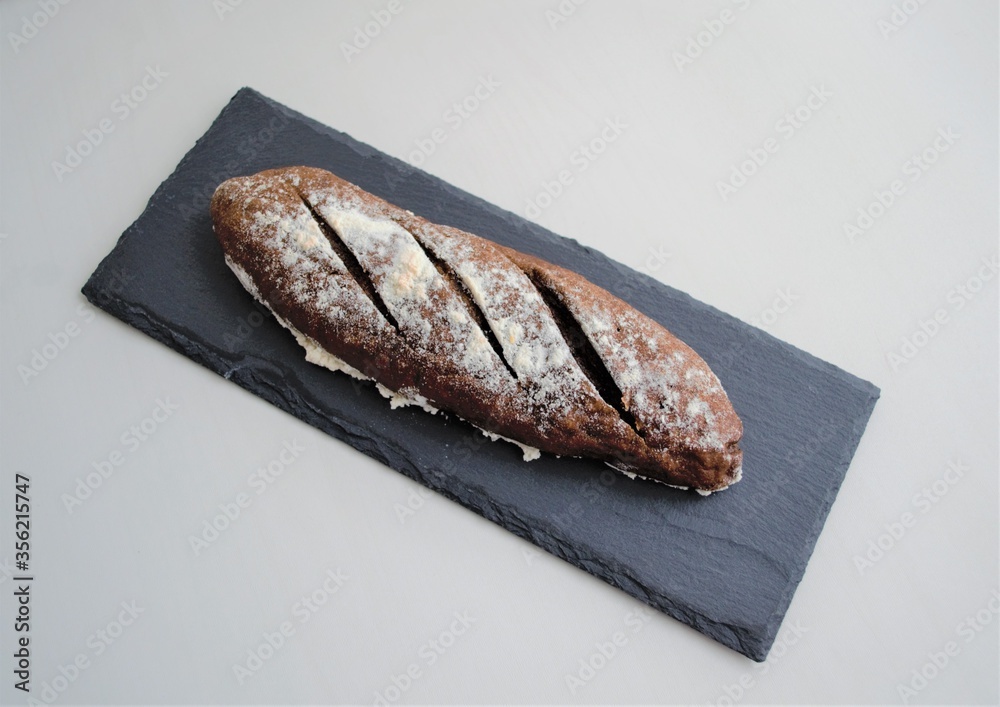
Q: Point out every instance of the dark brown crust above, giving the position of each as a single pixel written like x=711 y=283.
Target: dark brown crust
x=619 y=414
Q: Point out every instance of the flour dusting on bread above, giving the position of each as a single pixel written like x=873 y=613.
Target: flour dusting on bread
x=439 y=318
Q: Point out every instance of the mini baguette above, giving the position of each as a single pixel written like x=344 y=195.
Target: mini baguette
x=521 y=348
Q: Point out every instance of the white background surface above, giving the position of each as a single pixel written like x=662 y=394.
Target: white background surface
x=852 y=635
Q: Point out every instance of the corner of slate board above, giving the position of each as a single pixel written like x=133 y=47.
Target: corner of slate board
x=727 y=564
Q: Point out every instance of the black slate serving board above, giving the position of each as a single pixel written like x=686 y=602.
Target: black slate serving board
x=726 y=564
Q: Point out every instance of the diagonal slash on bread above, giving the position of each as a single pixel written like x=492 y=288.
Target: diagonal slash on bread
x=519 y=347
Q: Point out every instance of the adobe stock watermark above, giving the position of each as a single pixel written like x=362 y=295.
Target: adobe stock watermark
x=786 y=127
x=121 y=108
x=302 y=611
x=655 y=259
x=800 y=458
x=242 y=155
x=590 y=490
x=415 y=500
x=97 y=643
x=734 y=692
x=900 y=15
x=42 y=356
x=363 y=35
x=969 y=629
x=32 y=24
x=461 y=454
x=928 y=329
x=224 y=7
x=702 y=40
x=428 y=654
x=453 y=118
x=912 y=170
x=245 y=327
x=129 y=442
x=56 y=342
x=260 y=480
x=559 y=14
x=783 y=301
x=579 y=161
x=606 y=651
x=923 y=501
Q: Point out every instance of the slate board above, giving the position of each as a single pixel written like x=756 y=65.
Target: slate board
x=727 y=564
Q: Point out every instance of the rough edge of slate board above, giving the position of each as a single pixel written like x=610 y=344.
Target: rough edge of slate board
x=751 y=640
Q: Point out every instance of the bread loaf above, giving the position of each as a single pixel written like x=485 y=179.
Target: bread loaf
x=518 y=347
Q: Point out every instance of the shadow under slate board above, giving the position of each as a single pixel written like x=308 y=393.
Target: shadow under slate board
x=725 y=564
